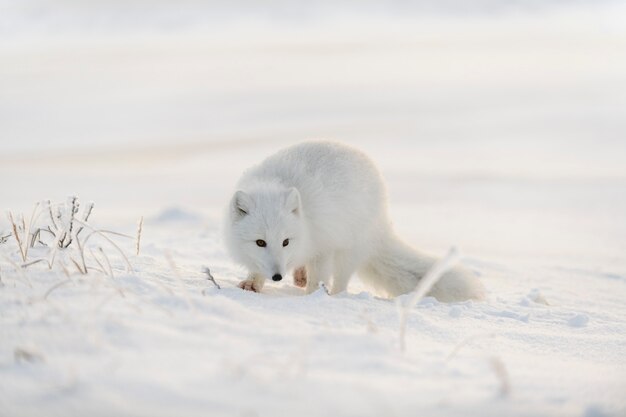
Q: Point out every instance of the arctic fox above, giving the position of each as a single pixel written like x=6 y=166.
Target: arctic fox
x=322 y=206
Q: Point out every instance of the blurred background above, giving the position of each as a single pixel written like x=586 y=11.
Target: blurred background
x=500 y=125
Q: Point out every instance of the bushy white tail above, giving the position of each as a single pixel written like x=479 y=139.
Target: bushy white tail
x=396 y=268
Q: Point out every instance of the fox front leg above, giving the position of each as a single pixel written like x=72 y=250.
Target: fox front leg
x=318 y=270
x=299 y=277
x=254 y=282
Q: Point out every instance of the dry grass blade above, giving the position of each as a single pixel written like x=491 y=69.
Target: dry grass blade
x=52 y=221
x=110 y=232
x=35 y=237
x=102 y=269
x=33 y=218
x=55 y=286
x=503 y=376
x=210 y=277
x=3 y=239
x=55 y=248
x=106 y=259
x=47 y=230
x=22 y=232
x=16 y=235
x=424 y=285
x=88 y=211
x=103 y=233
x=64 y=269
x=77 y=265
x=36 y=261
x=66 y=240
x=81 y=251
x=139 y=229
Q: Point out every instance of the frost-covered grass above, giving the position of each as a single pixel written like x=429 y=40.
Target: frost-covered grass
x=58 y=242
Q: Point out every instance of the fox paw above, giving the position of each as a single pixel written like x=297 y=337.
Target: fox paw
x=299 y=277
x=249 y=285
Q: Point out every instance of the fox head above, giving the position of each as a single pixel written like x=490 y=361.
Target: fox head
x=265 y=231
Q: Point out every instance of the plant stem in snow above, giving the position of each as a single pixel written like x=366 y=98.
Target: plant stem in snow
x=139 y=228
x=503 y=376
x=87 y=212
x=54 y=287
x=423 y=286
x=102 y=233
x=54 y=224
x=207 y=271
x=16 y=234
x=106 y=259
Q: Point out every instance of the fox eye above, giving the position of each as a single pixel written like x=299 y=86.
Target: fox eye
x=285 y=242
x=261 y=243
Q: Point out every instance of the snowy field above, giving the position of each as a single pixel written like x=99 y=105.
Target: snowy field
x=500 y=130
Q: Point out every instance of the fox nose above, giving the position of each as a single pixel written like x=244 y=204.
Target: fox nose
x=277 y=277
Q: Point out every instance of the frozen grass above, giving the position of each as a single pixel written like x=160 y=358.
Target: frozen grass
x=58 y=240
x=424 y=285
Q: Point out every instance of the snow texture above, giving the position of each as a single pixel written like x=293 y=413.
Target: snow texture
x=500 y=134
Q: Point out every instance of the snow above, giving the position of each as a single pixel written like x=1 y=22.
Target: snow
x=499 y=133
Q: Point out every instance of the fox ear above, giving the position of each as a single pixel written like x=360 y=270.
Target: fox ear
x=241 y=204
x=292 y=202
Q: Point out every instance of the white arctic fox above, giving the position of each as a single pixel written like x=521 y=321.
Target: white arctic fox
x=323 y=206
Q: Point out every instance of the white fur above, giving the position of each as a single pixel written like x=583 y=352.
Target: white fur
x=329 y=200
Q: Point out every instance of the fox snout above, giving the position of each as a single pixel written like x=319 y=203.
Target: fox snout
x=277 y=277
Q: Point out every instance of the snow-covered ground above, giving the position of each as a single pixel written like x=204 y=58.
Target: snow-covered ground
x=500 y=131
